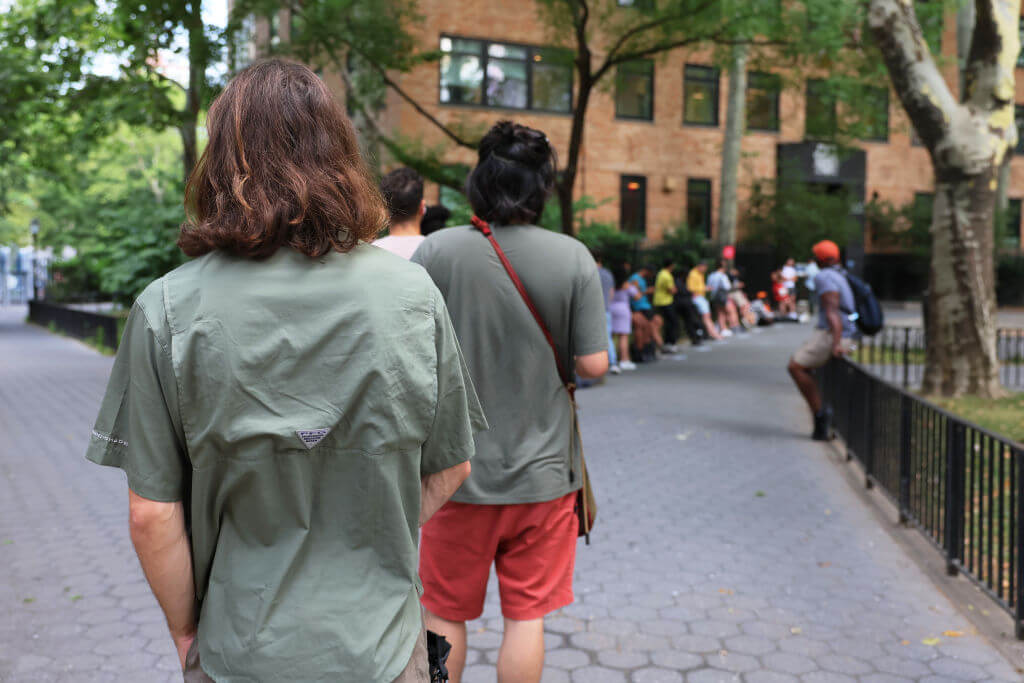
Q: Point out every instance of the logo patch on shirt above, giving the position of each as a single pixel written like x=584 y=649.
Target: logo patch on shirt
x=311 y=437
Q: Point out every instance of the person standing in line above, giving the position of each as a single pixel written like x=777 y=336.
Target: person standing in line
x=622 y=323
x=698 y=291
x=810 y=273
x=608 y=288
x=642 y=305
x=285 y=428
x=719 y=287
x=517 y=509
x=833 y=336
x=403 y=194
x=789 y=276
x=664 y=304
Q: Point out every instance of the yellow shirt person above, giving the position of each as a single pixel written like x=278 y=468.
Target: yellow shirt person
x=664 y=288
x=695 y=282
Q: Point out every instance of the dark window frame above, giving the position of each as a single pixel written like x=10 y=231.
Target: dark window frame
x=1018 y=118
x=1020 y=33
x=822 y=91
x=650 y=81
x=884 y=91
x=776 y=94
x=1013 y=210
x=624 y=181
x=484 y=56
x=706 y=194
x=713 y=78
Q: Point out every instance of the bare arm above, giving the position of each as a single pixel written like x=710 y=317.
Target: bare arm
x=830 y=304
x=162 y=544
x=592 y=365
x=437 y=488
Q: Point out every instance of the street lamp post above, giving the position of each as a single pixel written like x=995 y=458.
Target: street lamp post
x=34 y=229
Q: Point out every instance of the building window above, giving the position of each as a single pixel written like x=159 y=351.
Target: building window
x=1020 y=32
x=483 y=73
x=634 y=90
x=820 y=110
x=698 y=206
x=633 y=204
x=700 y=95
x=1018 y=115
x=763 y=101
x=876 y=114
x=1012 y=236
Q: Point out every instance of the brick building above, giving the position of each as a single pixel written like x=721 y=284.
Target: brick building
x=653 y=142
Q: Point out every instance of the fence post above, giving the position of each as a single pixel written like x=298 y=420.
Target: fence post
x=906 y=357
x=955 y=463
x=1018 y=618
x=868 y=456
x=905 y=430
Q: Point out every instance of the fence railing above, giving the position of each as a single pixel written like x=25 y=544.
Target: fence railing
x=960 y=484
x=897 y=354
x=76 y=323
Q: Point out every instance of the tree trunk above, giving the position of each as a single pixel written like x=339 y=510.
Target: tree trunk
x=964 y=30
x=735 y=123
x=197 y=47
x=968 y=139
x=567 y=178
x=961 y=350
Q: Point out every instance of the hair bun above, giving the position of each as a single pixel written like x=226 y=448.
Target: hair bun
x=517 y=143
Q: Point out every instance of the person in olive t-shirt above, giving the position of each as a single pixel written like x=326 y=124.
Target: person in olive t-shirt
x=516 y=510
x=288 y=407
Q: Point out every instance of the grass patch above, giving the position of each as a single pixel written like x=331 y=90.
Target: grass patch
x=1003 y=416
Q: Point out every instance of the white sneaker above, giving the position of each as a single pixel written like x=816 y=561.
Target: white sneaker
x=726 y=333
x=627 y=365
x=615 y=369
x=670 y=348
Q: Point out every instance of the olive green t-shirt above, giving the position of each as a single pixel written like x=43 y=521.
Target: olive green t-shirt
x=293 y=405
x=524 y=457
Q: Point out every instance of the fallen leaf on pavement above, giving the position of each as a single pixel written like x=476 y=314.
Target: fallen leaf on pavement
x=824 y=565
x=796 y=630
x=932 y=641
x=904 y=642
x=952 y=634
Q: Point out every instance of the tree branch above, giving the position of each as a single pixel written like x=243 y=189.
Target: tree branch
x=918 y=82
x=991 y=61
x=655 y=23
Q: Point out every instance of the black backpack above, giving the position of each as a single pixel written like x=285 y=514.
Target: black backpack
x=868 y=317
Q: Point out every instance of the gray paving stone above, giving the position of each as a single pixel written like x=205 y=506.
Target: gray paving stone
x=686 y=561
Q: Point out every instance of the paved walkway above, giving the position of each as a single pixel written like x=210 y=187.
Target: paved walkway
x=729 y=547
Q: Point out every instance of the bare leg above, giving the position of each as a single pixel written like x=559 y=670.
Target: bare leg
x=521 y=657
x=808 y=387
x=656 y=323
x=710 y=326
x=455 y=632
x=623 y=341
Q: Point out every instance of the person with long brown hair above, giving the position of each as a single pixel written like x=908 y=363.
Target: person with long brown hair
x=288 y=407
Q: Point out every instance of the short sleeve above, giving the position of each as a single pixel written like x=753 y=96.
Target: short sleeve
x=824 y=282
x=590 y=325
x=457 y=415
x=139 y=428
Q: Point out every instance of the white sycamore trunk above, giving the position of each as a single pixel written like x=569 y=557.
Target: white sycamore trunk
x=968 y=141
x=735 y=123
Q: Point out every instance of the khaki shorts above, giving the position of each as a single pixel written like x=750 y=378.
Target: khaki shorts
x=818 y=349
x=417 y=671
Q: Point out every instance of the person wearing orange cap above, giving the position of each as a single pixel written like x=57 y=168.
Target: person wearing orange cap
x=833 y=335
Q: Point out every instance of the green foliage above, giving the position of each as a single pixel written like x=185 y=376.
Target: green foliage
x=614 y=246
x=684 y=246
x=75 y=279
x=791 y=217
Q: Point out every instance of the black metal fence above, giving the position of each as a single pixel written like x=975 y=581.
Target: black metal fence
x=76 y=323
x=897 y=354
x=960 y=484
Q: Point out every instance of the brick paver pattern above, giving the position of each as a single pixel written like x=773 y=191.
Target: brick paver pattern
x=729 y=547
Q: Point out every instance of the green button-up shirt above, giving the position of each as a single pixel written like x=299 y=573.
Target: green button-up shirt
x=294 y=405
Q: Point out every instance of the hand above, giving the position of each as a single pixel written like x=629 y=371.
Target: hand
x=837 y=350
x=183 y=644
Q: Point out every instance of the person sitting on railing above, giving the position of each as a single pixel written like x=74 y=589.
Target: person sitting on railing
x=832 y=336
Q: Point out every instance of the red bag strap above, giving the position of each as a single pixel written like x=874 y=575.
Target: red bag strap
x=484 y=228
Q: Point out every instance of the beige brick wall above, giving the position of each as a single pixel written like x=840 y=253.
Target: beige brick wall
x=664 y=150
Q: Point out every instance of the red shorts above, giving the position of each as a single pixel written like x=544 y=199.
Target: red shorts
x=533 y=548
